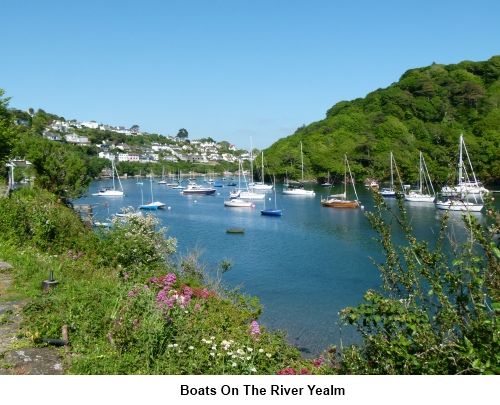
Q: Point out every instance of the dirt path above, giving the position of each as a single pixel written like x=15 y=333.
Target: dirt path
x=16 y=357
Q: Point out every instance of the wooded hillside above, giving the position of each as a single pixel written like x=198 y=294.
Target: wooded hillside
x=425 y=110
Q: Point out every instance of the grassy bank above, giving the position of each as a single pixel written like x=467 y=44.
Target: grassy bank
x=128 y=306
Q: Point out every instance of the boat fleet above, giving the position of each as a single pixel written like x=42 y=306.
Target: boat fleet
x=466 y=195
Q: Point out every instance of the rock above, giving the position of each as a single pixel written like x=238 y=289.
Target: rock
x=34 y=361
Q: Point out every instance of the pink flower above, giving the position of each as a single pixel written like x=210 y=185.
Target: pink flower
x=255 y=328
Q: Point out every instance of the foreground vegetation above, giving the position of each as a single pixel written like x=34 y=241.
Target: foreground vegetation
x=132 y=307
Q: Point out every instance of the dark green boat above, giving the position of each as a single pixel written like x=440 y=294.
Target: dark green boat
x=235 y=230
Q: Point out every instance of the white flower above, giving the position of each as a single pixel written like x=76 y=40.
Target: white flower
x=170 y=345
x=191 y=347
x=249 y=349
x=268 y=355
x=175 y=345
x=248 y=358
x=214 y=347
x=233 y=356
x=261 y=350
x=253 y=370
x=234 y=364
x=180 y=351
x=213 y=354
x=212 y=337
x=229 y=353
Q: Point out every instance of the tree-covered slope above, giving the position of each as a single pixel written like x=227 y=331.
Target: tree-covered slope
x=425 y=110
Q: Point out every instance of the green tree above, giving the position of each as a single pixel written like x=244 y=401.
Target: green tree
x=58 y=169
x=182 y=134
x=8 y=132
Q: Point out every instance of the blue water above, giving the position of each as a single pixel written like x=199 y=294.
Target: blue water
x=304 y=266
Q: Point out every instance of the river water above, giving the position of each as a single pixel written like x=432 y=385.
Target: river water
x=304 y=266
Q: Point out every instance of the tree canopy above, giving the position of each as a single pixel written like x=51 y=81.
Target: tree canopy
x=426 y=110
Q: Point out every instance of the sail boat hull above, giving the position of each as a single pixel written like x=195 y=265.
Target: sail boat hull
x=274 y=212
x=417 y=197
x=339 y=203
x=298 y=191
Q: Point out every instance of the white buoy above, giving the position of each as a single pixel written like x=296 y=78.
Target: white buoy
x=269 y=198
x=195 y=201
x=169 y=207
x=253 y=205
x=362 y=207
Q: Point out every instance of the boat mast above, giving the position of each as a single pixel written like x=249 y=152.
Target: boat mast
x=345 y=176
x=302 y=157
x=392 y=177
x=460 y=163
x=420 y=174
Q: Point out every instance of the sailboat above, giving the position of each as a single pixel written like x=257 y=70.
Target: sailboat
x=458 y=201
x=139 y=182
x=163 y=179
x=261 y=185
x=147 y=206
x=151 y=205
x=390 y=191
x=293 y=190
x=469 y=186
x=327 y=183
x=111 y=191
x=421 y=195
x=179 y=185
x=340 y=200
x=244 y=194
x=272 y=211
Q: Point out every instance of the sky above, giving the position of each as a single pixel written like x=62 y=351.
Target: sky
x=239 y=71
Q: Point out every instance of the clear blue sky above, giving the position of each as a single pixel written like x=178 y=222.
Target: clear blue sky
x=224 y=69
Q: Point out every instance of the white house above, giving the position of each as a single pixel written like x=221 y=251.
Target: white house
x=93 y=125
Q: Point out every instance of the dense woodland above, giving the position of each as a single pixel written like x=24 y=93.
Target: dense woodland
x=426 y=110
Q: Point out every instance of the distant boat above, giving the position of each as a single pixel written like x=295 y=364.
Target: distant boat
x=139 y=182
x=111 y=191
x=154 y=205
x=421 y=195
x=298 y=190
x=340 y=200
x=261 y=185
x=196 y=189
x=242 y=193
x=460 y=203
x=272 y=211
x=391 y=191
x=235 y=230
x=328 y=182
x=163 y=179
x=237 y=202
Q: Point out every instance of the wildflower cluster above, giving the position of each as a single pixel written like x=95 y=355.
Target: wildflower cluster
x=74 y=255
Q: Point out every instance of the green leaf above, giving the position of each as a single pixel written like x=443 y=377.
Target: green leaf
x=496 y=306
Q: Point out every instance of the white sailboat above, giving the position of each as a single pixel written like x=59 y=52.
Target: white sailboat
x=244 y=194
x=299 y=190
x=112 y=191
x=139 y=181
x=163 y=179
x=464 y=186
x=153 y=203
x=261 y=185
x=422 y=194
x=328 y=181
x=459 y=200
x=391 y=191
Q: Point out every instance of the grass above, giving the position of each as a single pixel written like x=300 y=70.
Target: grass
x=128 y=308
